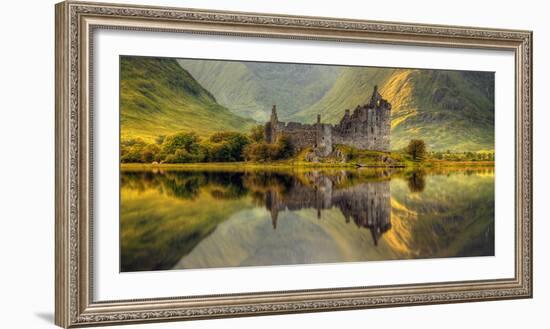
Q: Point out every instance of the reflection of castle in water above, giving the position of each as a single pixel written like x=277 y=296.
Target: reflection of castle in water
x=368 y=204
x=213 y=218
x=366 y=200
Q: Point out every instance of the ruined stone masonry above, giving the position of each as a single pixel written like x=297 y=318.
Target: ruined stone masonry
x=367 y=128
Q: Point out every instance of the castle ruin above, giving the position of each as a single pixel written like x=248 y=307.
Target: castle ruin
x=367 y=128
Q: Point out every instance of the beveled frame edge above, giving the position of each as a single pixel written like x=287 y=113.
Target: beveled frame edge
x=75 y=21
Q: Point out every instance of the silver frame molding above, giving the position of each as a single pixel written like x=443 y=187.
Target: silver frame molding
x=75 y=24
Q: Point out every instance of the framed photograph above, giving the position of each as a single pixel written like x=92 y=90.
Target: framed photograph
x=218 y=164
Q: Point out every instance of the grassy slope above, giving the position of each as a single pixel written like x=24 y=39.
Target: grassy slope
x=353 y=87
x=448 y=109
x=231 y=82
x=158 y=97
x=250 y=89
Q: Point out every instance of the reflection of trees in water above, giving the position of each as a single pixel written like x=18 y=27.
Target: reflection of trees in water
x=232 y=185
x=226 y=186
x=184 y=186
x=416 y=180
x=464 y=171
x=187 y=188
x=451 y=224
x=361 y=196
x=268 y=181
x=187 y=184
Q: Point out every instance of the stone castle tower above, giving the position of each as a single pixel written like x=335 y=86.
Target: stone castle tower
x=367 y=128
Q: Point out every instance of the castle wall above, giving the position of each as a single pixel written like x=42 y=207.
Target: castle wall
x=300 y=135
x=368 y=128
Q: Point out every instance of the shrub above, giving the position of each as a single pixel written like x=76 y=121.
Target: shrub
x=160 y=139
x=262 y=151
x=227 y=146
x=187 y=141
x=187 y=147
x=182 y=156
x=219 y=152
x=416 y=149
x=131 y=155
x=257 y=134
x=131 y=150
x=285 y=149
x=150 y=153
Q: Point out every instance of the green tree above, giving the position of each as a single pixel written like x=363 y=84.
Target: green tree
x=285 y=149
x=416 y=149
x=259 y=152
x=131 y=155
x=186 y=141
x=263 y=151
x=227 y=146
x=130 y=150
x=220 y=152
x=160 y=139
x=257 y=134
x=182 y=156
x=150 y=153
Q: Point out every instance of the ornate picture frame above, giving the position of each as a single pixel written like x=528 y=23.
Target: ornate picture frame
x=75 y=24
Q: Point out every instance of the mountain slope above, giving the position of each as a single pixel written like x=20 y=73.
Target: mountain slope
x=448 y=109
x=158 y=97
x=353 y=87
x=250 y=89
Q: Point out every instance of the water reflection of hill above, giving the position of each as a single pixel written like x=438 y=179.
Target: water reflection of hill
x=166 y=215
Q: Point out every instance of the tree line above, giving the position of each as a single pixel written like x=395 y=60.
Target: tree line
x=188 y=147
x=418 y=151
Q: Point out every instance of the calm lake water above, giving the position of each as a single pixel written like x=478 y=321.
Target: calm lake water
x=184 y=219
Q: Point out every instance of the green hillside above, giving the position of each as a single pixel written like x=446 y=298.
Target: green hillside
x=159 y=97
x=448 y=109
x=353 y=87
x=250 y=89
